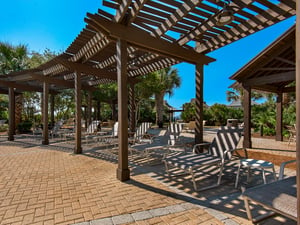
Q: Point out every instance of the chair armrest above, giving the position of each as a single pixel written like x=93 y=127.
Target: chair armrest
x=282 y=167
x=200 y=144
x=236 y=149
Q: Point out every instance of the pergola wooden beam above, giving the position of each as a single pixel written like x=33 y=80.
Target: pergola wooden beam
x=274 y=78
x=60 y=82
x=144 y=40
x=297 y=49
x=177 y=16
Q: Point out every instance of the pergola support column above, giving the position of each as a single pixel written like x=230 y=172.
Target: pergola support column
x=279 y=117
x=247 y=117
x=297 y=49
x=199 y=105
x=11 y=113
x=98 y=111
x=78 y=148
x=52 y=98
x=45 y=140
x=132 y=109
x=123 y=172
x=89 y=108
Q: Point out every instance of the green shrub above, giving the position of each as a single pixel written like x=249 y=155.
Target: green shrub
x=25 y=127
x=3 y=127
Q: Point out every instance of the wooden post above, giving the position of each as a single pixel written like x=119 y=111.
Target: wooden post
x=132 y=108
x=78 y=148
x=11 y=113
x=89 y=108
x=199 y=105
x=52 y=97
x=123 y=172
x=45 y=140
x=98 y=111
x=298 y=106
x=247 y=117
x=279 y=117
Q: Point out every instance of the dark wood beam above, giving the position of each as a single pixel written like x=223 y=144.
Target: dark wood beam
x=269 y=79
x=123 y=172
x=78 y=104
x=122 y=10
x=247 y=117
x=182 y=11
x=89 y=70
x=11 y=114
x=60 y=82
x=297 y=49
x=144 y=40
x=45 y=116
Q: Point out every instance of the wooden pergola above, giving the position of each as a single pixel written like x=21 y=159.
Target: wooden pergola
x=273 y=70
x=147 y=35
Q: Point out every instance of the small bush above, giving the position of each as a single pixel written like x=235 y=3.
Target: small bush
x=25 y=127
x=3 y=127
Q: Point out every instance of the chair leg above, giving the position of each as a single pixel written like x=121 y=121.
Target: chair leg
x=248 y=210
x=263 y=175
x=237 y=176
x=220 y=174
x=274 y=173
x=193 y=179
x=167 y=168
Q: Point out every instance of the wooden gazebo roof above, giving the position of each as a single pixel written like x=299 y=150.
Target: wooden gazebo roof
x=273 y=70
x=159 y=34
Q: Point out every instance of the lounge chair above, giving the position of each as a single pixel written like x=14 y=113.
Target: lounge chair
x=220 y=151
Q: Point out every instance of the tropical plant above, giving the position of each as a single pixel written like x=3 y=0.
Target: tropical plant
x=12 y=58
x=189 y=112
x=163 y=82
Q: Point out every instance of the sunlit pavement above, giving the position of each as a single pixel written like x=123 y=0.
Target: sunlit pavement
x=50 y=185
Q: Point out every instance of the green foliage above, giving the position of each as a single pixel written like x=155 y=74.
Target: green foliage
x=3 y=127
x=25 y=127
x=12 y=58
x=189 y=113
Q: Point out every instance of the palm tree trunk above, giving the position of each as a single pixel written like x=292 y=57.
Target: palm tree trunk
x=19 y=107
x=159 y=105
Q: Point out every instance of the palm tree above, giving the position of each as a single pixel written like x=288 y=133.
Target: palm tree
x=13 y=58
x=165 y=80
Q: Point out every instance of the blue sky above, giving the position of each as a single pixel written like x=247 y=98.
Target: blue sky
x=55 y=24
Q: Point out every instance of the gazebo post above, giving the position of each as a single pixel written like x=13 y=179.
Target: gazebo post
x=52 y=97
x=89 y=108
x=279 y=117
x=123 y=172
x=78 y=148
x=247 y=117
x=297 y=49
x=11 y=113
x=45 y=140
x=132 y=108
x=98 y=110
x=199 y=105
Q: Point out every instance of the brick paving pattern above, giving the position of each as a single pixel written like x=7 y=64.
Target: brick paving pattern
x=49 y=185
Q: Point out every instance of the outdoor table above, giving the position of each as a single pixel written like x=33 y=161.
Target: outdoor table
x=254 y=164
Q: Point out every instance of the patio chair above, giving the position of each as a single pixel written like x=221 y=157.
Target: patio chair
x=141 y=135
x=280 y=197
x=220 y=152
x=292 y=133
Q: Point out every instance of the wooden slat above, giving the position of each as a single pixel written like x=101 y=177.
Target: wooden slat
x=143 y=40
x=177 y=16
x=121 y=12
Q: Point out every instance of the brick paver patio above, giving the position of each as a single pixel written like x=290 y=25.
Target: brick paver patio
x=50 y=185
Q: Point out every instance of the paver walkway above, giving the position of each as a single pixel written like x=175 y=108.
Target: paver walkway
x=40 y=186
x=50 y=185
